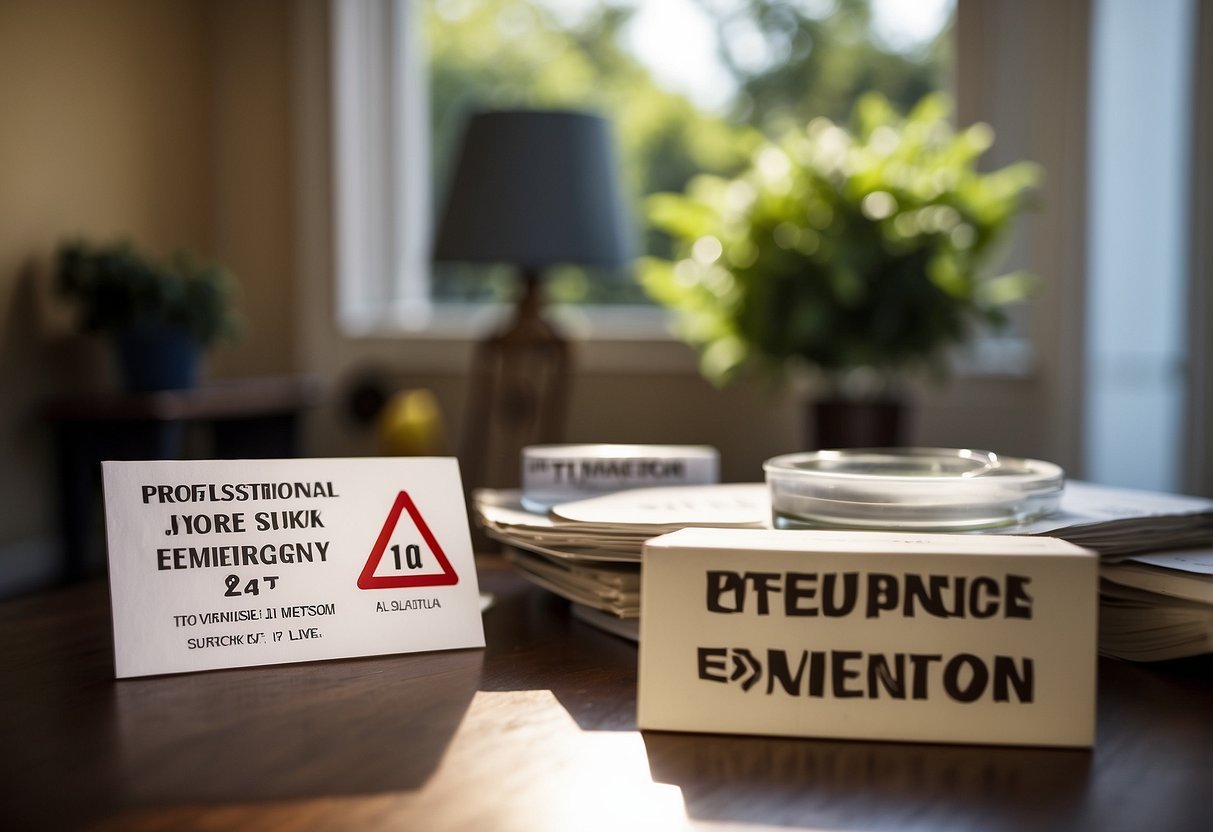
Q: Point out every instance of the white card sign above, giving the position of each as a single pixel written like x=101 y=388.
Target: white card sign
x=222 y=563
x=857 y=635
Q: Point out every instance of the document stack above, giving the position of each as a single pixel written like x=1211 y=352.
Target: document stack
x=589 y=551
x=1120 y=522
x=1156 y=596
x=1156 y=572
x=1155 y=607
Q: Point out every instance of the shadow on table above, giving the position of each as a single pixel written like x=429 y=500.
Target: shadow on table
x=593 y=675
x=359 y=726
x=82 y=745
x=867 y=785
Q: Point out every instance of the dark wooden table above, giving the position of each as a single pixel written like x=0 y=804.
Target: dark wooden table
x=536 y=732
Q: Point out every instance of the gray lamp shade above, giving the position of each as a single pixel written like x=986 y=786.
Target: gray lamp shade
x=534 y=188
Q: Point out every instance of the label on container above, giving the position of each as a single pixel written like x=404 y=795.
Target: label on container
x=869 y=635
x=554 y=474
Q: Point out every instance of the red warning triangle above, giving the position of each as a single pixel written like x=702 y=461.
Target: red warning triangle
x=368 y=580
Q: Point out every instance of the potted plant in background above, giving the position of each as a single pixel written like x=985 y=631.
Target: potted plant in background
x=858 y=254
x=160 y=316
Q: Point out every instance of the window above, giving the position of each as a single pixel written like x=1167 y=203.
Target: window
x=1139 y=164
x=683 y=81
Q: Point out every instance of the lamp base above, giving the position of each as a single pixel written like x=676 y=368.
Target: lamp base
x=518 y=392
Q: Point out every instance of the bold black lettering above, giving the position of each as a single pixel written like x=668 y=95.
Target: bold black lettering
x=893 y=680
x=979 y=677
x=764 y=583
x=412 y=556
x=743 y=663
x=921 y=663
x=817 y=674
x=777 y=668
x=882 y=593
x=1022 y=680
x=959 y=596
x=988 y=608
x=725 y=583
x=712 y=664
x=799 y=585
x=840 y=674
x=918 y=595
x=830 y=604
x=1019 y=602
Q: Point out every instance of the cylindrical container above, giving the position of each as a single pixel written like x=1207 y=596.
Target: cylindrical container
x=919 y=489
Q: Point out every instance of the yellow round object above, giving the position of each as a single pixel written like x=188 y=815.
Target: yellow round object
x=410 y=424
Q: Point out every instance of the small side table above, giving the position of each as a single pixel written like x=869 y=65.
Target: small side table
x=245 y=419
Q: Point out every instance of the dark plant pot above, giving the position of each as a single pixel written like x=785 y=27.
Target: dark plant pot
x=841 y=423
x=154 y=357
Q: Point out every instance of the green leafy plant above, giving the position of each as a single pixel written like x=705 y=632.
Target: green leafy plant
x=842 y=249
x=116 y=288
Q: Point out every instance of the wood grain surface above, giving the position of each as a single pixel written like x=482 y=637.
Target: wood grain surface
x=535 y=732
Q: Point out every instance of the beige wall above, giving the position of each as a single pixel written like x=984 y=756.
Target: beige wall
x=252 y=191
x=164 y=123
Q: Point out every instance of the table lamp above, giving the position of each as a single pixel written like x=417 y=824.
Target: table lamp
x=530 y=188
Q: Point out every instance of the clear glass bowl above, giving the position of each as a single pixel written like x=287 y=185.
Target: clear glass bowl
x=923 y=489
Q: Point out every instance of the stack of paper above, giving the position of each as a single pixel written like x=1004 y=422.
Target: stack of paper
x=614 y=527
x=1156 y=594
x=1117 y=522
x=1157 y=606
x=589 y=551
x=609 y=587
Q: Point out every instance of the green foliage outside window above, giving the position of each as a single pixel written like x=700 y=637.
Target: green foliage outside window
x=839 y=249
x=503 y=53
